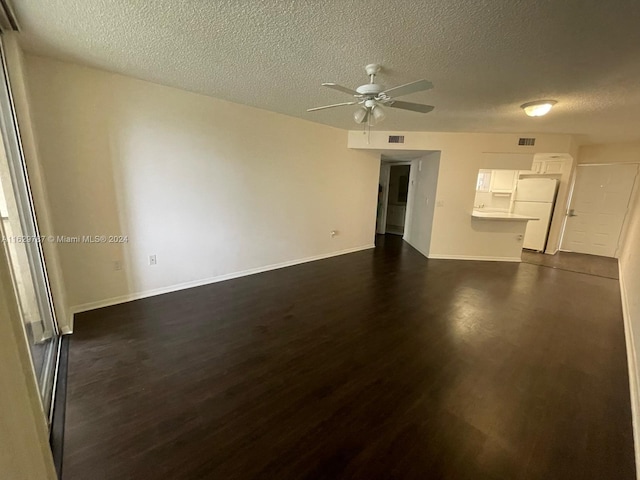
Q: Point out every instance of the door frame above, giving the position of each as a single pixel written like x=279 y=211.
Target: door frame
x=383 y=181
x=634 y=192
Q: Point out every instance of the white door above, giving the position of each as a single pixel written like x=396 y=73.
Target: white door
x=598 y=207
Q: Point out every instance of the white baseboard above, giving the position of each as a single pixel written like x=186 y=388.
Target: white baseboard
x=469 y=257
x=418 y=249
x=633 y=370
x=206 y=281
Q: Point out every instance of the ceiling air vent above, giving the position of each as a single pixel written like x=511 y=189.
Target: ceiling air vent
x=396 y=138
x=527 y=142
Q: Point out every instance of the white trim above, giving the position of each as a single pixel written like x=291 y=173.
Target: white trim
x=469 y=257
x=607 y=163
x=197 y=283
x=633 y=370
x=567 y=207
x=413 y=246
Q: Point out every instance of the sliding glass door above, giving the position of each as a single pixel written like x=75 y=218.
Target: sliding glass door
x=22 y=243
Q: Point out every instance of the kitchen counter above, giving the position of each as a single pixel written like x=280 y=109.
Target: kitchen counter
x=503 y=216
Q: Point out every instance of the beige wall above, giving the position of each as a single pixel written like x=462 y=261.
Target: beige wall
x=210 y=187
x=629 y=263
x=610 y=153
x=455 y=234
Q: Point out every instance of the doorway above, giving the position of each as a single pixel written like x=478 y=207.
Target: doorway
x=397 y=198
x=598 y=208
x=416 y=193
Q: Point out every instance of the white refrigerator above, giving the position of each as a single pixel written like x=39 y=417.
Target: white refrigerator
x=535 y=197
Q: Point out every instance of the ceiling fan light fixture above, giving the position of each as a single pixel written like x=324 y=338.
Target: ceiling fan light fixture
x=538 y=108
x=360 y=114
x=372 y=96
x=378 y=113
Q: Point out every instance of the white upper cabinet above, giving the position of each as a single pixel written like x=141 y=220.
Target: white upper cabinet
x=553 y=166
x=503 y=181
x=536 y=166
x=545 y=167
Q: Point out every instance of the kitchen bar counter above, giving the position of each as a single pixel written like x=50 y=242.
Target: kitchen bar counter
x=503 y=216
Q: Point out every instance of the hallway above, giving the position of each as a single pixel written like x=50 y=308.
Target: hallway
x=377 y=364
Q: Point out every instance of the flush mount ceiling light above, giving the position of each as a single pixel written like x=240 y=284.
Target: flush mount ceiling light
x=538 y=108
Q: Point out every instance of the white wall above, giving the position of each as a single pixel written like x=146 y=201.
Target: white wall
x=455 y=235
x=610 y=153
x=629 y=264
x=423 y=182
x=210 y=187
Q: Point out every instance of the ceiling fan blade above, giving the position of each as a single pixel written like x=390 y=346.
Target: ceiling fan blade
x=408 y=88
x=340 y=88
x=414 y=107
x=330 y=106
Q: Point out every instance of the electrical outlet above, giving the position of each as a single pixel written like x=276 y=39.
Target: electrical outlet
x=117 y=265
x=153 y=260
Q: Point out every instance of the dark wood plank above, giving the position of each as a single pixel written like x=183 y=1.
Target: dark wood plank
x=575 y=262
x=378 y=364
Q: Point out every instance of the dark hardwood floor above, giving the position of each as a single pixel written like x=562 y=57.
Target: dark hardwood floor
x=375 y=365
x=574 y=262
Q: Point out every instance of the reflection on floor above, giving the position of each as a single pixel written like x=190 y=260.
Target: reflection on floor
x=574 y=262
x=374 y=365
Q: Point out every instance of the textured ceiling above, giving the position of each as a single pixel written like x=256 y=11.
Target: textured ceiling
x=485 y=58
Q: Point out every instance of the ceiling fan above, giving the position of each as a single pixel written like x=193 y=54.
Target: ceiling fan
x=372 y=96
